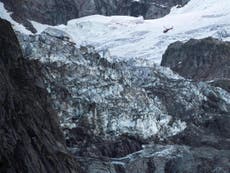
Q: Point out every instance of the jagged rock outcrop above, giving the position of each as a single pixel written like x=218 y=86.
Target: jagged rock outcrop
x=110 y=109
x=201 y=60
x=205 y=59
x=59 y=12
x=30 y=138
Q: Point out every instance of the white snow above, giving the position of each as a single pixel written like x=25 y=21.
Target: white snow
x=4 y=14
x=130 y=38
x=143 y=41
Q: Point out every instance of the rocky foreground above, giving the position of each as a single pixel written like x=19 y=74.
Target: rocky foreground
x=30 y=138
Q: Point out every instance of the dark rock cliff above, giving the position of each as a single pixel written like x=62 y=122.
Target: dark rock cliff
x=205 y=59
x=30 y=139
x=55 y=12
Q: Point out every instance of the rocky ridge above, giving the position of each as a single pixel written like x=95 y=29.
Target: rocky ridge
x=205 y=59
x=30 y=137
x=201 y=60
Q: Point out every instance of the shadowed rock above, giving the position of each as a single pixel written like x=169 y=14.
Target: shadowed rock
x=205 y=59
x=30 y=138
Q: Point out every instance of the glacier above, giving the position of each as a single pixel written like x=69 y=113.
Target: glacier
x=110 y=109
x=140 y=41
x=143 y=42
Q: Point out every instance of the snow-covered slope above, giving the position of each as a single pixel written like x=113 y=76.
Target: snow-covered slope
x=144 y=40
x=130 y=38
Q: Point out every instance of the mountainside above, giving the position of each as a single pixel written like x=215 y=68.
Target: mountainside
x=30 y=138
x=59 y=12
x=118 y=109
x=113 y=109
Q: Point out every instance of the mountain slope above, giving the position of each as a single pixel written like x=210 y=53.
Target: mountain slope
x=111 y=109
x=125 y=114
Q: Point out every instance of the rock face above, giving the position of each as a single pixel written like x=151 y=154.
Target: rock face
x=59 y=12
x=110 y=109
x=49 y=12
x=205 y=59
x=30 y=138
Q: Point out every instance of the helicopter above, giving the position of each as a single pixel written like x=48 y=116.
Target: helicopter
x=167 y=29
